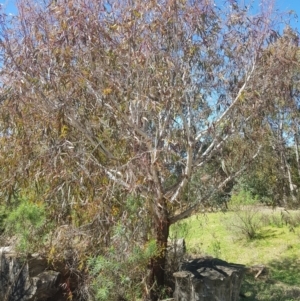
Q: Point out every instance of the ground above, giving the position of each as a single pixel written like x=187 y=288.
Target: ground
x=276 y=245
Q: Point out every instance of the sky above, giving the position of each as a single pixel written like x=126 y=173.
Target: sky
x=9 y=6
x=291 y=5
x=281 y=5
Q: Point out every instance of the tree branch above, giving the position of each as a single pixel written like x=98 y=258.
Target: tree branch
x=186 y=213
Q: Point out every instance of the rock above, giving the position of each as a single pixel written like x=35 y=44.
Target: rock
x=208 y=279
x=26 y=279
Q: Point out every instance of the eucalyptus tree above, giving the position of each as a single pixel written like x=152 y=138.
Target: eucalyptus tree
x=102 y=100
x=279 y=67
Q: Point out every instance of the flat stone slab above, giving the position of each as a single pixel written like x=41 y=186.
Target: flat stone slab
x=208 y=279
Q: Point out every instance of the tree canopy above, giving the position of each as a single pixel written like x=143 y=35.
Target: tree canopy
x=110 y=110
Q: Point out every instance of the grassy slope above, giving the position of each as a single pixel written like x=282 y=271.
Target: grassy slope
x=277 y=246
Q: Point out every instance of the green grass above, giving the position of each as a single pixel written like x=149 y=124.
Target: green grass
x=268 y=290
x=276 y=245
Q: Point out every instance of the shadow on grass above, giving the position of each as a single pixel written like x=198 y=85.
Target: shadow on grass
x=267 y=290
x=286 y=270
x=266 y=233
x=262 y=234
x=282 y=284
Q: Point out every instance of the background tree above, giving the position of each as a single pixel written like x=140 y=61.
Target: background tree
x=275 y=175
x=104 y=101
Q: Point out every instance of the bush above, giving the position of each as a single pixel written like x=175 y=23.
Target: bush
x=241 y=200
x=247 y=220
x=290 y=219
x=121 y=275
x=27 y=222
x=215 y=247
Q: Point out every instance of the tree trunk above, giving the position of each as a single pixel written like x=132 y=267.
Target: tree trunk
x=291 y=184
x=296 y=141
x=157 y=264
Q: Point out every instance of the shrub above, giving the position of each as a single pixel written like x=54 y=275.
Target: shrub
x=242 y=199
x=27 y=222
x=117 y=275
x=276 y=220
x=215 y=247
x=247 y=220
x=290 y=219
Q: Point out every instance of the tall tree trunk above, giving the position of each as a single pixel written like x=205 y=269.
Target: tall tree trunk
x=284 y=162
x=157 y=265
x=296 y=141
x=291 y=184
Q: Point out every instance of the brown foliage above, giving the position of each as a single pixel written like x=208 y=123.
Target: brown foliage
x=102 y=101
